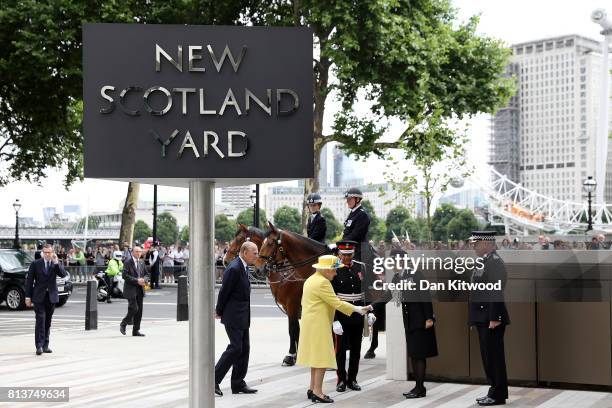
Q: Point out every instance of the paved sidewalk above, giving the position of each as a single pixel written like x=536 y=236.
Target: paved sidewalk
x=104 y=368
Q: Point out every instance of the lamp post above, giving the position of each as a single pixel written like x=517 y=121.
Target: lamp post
x=589 y=186
x=255 y=201
x=17 y=207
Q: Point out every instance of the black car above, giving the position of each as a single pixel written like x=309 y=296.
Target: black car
x=13 y=270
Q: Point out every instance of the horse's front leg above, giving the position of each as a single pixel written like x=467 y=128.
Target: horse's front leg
x=294 y=333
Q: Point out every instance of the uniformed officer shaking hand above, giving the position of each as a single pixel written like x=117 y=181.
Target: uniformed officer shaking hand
x=317 y=226
x=487 y=312
x=348 y=329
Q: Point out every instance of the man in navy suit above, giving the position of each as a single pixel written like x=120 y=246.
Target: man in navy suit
x=234 y=310
x=41 y=289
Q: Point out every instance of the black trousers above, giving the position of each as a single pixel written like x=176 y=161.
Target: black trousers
x=236 y=355
x=134 y=313
x=349 y=341
x=110 y=284
x=44 y=313
x=494 y=360
x=155 y=276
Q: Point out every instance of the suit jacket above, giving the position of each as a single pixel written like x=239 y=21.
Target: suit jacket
x=487 y=306
x=234 y=299
x=317 y=228
x=39 y=281
x=131 y=288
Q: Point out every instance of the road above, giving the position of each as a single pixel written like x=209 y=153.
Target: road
x=158 y=305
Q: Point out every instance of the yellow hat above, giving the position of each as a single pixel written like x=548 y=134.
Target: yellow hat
x=327 y=262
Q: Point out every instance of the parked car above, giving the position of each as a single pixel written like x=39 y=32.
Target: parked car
x=14 y=266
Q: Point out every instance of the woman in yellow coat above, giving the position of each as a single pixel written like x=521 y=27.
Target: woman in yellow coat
x=319 y=303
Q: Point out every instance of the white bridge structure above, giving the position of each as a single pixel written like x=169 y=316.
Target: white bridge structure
x=523 y=211
x=8 y=233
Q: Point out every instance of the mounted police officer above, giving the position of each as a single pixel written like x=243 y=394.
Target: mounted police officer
x=357 y=223
x=348 y=330
x=487 y=312
x=317 y=227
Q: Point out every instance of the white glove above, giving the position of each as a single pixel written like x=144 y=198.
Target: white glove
x=362 y=310
x=337 y=327
x=371 y=319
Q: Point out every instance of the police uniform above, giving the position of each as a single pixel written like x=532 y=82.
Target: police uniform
x=485 y=307
x=347 y=285
x=317 y=226
x=357 y=224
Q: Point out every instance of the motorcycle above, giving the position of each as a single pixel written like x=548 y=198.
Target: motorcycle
x=102 y=292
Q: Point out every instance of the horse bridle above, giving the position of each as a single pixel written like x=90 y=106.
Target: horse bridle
x=247 y=237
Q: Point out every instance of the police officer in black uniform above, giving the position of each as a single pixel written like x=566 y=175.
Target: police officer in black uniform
x=316 y=227
x=348 y=330
x=357 y=223
x=487 y=312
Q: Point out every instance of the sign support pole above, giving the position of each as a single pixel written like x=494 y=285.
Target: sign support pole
x=201 y=294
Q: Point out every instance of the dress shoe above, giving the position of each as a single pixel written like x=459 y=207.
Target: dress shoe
x=487 y=402
x=138 y=334
x=325 y=399
x=39 y=351
x=244 y=390
x=122 y=329
x=341 y=387
x=218 y=390
x=47 y=350
x=369 y=354
x=414 y=393
x=354 y=386
x=109 y=301
x=482 y=398
x=309 y=394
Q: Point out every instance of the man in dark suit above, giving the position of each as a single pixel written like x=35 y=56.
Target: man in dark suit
x=134 y=272
x=317 y=226
x=487 y=311
x=41 y=289
x=234 y=310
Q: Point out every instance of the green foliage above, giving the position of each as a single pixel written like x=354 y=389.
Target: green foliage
x=246 y=217
x=460 y=227
x=167 y=229
x=225 y=229
x=288 y=218
x=92 y=223
x=416 y=228
x=142 y=231
x=184 y=235
x=395 y=222
x=377 y=228
x=334 y=227
x=442 y=216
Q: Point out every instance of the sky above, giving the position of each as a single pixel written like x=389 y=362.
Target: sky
x=510 y=21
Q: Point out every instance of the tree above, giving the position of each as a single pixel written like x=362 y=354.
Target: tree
x=439 y=223
x=128 y=215
x=416 y=229
x=225 y=229
x=167 y=229
x=184 y=235
x=142 y=231
x=395 y=221
x=246 y=217
x=288 y=218
x=377 y=228
x=460 y=227
x=334 y=228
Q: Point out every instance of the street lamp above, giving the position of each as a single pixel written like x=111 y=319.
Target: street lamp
x=589 y=186
x=17 y=207
x=255 y=201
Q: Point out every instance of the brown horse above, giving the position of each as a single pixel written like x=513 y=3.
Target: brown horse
x=286 y=259
x=281 y=290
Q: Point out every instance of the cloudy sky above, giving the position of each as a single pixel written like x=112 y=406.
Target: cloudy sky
x=511 y=21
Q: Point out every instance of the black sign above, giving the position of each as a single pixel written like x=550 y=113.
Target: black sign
x=197 y=102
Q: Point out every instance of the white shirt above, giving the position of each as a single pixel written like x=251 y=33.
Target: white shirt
x=356 y=208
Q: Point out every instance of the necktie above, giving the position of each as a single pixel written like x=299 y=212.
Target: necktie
x=46 y=266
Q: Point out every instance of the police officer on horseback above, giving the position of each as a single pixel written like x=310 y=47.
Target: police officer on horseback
x=348 y=330
x=357 y=223
x=316 y=227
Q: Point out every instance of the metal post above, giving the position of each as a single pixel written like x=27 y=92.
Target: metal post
x=256 y=212
x=201 y=294
x=91 y=306
x=182 y=300
x=16 y=243
x=590 y=220
x=602 y=126
x=154 y=212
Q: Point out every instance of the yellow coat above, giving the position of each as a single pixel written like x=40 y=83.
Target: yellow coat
x=319 y=302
